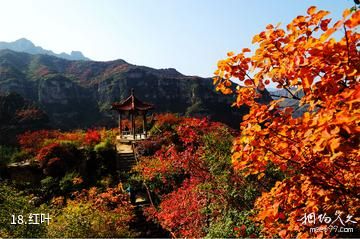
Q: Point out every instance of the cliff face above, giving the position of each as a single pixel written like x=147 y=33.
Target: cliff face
x=18 y=115
x=79 y=93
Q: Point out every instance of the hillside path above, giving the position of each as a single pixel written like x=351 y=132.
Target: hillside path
x=122 y=148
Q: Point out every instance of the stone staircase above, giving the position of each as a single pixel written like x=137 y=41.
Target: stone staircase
x=125 y=161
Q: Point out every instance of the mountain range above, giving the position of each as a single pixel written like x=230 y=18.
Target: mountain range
x=25 y=45
x=78 y=94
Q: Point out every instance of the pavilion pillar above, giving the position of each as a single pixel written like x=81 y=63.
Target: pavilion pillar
x=120 y=125
x=144 y=125
x=133 y=124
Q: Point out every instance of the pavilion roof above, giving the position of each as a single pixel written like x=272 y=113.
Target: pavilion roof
x=132 y=104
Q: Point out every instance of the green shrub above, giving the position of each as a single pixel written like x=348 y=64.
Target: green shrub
x=70 y=143
x=13 y=202
x=105 y=155
x=104 y=146
x=105 y=181
x=94 y=213
x=83 y=220
x=6 y=154
x=67 y=185
x=233 y=223
x=74 y=221
x=20 y=156
x=50 y=186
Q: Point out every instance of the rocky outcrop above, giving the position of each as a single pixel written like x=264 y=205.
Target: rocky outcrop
x=18 y=115
x=24 y=172
x=79 y=93
x=299 y=110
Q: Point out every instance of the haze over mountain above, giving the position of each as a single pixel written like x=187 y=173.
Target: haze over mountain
x=25 y=45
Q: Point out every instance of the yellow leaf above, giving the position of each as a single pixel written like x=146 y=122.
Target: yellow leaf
x=306 y=82
x=230 y=53
x=319 y=145
x=334 y=144
x=311 y=10
x=346 y=13
x=256 y=38
x=351 y=72
x=328 y=33
x=338 y=24
x=261 y=175
x=227 y=91
x=257 y=128
x=321 y=192
x=215 y=80
x=276 y=208
x=354 y=21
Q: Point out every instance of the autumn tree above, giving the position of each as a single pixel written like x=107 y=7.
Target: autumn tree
x=194 y=190
x=93 y=213
x=318 y=151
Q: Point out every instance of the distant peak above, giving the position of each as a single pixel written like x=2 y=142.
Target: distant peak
x=23 y=39
x=77 y=54
x=24 y=42
x=25 y=45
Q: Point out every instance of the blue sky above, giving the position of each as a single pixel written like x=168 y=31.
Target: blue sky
x=189 y=35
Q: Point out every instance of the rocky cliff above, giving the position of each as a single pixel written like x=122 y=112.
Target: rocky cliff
x=18 y=115
x=79 y=93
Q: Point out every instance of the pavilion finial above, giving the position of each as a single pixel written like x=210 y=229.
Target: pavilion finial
x=132 y=91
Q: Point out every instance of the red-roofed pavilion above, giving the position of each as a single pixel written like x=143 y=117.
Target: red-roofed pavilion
x=132 y=107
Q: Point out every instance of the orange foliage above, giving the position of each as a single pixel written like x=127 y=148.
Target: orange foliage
x=74 y=136
x=112 y=205
x=319 y=151
x=32 y=142
x=92 y=137
x=167 y=119
x=115 y=199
